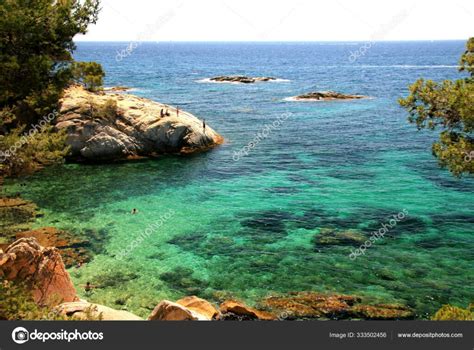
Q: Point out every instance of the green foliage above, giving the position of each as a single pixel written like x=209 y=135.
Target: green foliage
x=454 y=313
x=448 y=106
x=18 y=304
x=21 y=153
x=36 y=45
x=89 y=74
x=35 y=52
x=467 y=60
x=107 y=111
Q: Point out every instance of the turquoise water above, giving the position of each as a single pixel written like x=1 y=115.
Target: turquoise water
x=249 y=228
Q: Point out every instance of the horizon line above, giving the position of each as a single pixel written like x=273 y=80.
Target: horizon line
x=266 y=41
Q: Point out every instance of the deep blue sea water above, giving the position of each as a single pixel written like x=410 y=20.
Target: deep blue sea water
x=249 y=228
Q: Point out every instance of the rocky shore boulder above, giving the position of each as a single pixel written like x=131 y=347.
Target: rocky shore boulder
x=232 y=309
x=241 y=79
x=169 y=311
x=327 y=96
x=83 y=310
x=112 y=126
x=200 y=306
x=41 y=269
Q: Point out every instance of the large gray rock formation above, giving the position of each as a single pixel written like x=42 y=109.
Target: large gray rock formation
x=109 y=126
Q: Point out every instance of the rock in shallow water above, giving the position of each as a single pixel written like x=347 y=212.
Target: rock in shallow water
x=329 y=237
x=231 y=308
x=72 y=249
x=241 y=79
x=16 y=215
x=309 y=305
x=327 y=96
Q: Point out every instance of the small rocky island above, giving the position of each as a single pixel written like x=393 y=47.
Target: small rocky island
x=326 y=96
x=110 y=126
x=241 y=79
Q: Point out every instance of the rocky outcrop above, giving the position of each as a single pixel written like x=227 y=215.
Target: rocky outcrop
x=200 y=306
x=240 y=79
x=41 y=269
x=232 y=309
x=83 y=310
x=309 y=305
x=326 y=96
x=197 y=309
x=109 y=126
x=169 y=311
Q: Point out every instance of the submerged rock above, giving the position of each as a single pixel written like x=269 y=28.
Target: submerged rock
x=329 y=237
x=310 y=305
x=241 y=79
x=83 y=310
x=381 y=312
x=112 y=126
x=327 y=96
x=16 y=215
x=72 y=249
x=41 y=269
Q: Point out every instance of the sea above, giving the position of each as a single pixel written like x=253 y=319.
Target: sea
x=291 y=200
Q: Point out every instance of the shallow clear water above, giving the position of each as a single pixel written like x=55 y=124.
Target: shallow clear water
x=246 y=228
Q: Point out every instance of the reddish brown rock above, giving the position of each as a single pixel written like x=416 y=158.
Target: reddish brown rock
x=381 y=312
x=200 y=306
x=304 y=305
x=310 y=305
x=240 y=309
x=41 y=269
x=169 y=311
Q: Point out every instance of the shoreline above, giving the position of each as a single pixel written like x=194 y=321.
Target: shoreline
x=291 y=305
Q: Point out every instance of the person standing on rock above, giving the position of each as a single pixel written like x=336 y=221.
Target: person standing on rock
x=177 y=111
x=204 y=125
